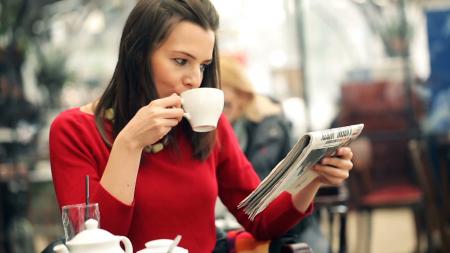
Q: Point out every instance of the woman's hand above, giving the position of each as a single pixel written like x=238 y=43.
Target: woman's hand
x=333 y=170
x=153 y=121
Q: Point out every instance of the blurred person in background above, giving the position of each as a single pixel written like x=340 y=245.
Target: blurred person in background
x=263 y=131
x=264 y=134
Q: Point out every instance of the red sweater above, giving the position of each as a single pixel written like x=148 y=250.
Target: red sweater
x=175 y=194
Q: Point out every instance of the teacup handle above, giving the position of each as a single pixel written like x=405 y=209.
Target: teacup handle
x=127 y=244
x=186 y=114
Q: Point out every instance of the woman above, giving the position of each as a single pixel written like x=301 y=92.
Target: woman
x=147 y=193
x=259 y=122
x=265 y=137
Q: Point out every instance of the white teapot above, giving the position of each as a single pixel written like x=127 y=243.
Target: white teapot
x=94 y=239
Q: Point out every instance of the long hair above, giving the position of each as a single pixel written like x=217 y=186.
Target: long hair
x=132 y=86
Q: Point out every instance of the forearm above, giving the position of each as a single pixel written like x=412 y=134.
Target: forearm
x=303 y=198
x=119 y=177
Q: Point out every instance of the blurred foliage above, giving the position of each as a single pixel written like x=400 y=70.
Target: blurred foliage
x=395 y=35
x=52 y=74
x=24 y=28
x=25 y=24
x=390 y=22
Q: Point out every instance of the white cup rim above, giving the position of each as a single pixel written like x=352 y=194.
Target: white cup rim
x=194 y=89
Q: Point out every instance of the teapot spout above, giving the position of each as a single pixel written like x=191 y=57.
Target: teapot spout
x=61 y=248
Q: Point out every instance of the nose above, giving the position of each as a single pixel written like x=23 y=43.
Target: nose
x=193 y=79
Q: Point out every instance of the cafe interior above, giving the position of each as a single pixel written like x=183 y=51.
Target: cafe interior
x=384 y=63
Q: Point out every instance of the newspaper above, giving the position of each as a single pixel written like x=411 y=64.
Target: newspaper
x=293 y=173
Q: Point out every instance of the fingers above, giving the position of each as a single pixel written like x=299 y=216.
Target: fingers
x=334 y=170
x=168 y=102
x=345 y=153
x=341 y=159
x=168 y=107
x=160 y=128
x=164 y=108
x=172 y=113
x=331 y=175
x=155 y=120
x=337 y=162
x=330 y=171
x=167 y=122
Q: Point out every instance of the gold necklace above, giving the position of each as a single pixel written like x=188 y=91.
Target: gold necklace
x=152 y=148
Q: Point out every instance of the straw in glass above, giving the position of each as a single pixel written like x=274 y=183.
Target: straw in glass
x=86 y=215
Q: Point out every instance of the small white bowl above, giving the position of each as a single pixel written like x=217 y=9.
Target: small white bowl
x=161 y=246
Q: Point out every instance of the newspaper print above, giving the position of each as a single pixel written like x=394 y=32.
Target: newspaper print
x=293 y=173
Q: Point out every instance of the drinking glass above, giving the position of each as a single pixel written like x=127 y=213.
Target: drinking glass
x=74 y=216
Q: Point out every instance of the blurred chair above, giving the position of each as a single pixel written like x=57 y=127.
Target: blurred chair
x=371 y=191
x=436 y=219
x=383 y=176
x=442 y=142
x=240 y=241
x=334 y=200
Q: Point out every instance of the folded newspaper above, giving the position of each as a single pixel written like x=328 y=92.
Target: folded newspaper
x=293 y=173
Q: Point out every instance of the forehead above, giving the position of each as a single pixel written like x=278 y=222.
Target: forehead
x=190 y=38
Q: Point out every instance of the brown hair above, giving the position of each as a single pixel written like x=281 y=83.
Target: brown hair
x=232 y=75
x=132 y=86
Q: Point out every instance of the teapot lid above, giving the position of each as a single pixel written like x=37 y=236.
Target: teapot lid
x=92 y=234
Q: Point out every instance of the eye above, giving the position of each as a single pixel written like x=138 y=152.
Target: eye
x=180 y=61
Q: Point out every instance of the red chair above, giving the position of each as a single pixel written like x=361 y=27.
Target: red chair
x=383 y=176
x=371 y=189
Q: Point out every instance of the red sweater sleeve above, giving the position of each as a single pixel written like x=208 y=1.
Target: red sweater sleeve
x=237 y=179
x=77 y=150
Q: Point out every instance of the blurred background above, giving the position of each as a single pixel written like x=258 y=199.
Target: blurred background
x=385 y=63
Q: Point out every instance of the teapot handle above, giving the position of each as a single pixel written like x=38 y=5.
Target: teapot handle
x=127 y=244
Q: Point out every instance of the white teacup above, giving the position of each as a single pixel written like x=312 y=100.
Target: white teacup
x=202 y=107
x=161 y=246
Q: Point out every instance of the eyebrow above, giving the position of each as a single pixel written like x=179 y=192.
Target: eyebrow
x=191 y=56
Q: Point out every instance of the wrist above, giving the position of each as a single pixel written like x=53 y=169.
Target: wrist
x=125 y=141
x=316 y=183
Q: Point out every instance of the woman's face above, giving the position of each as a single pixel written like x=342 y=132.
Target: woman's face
x=234 y=103
x=178 y=64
